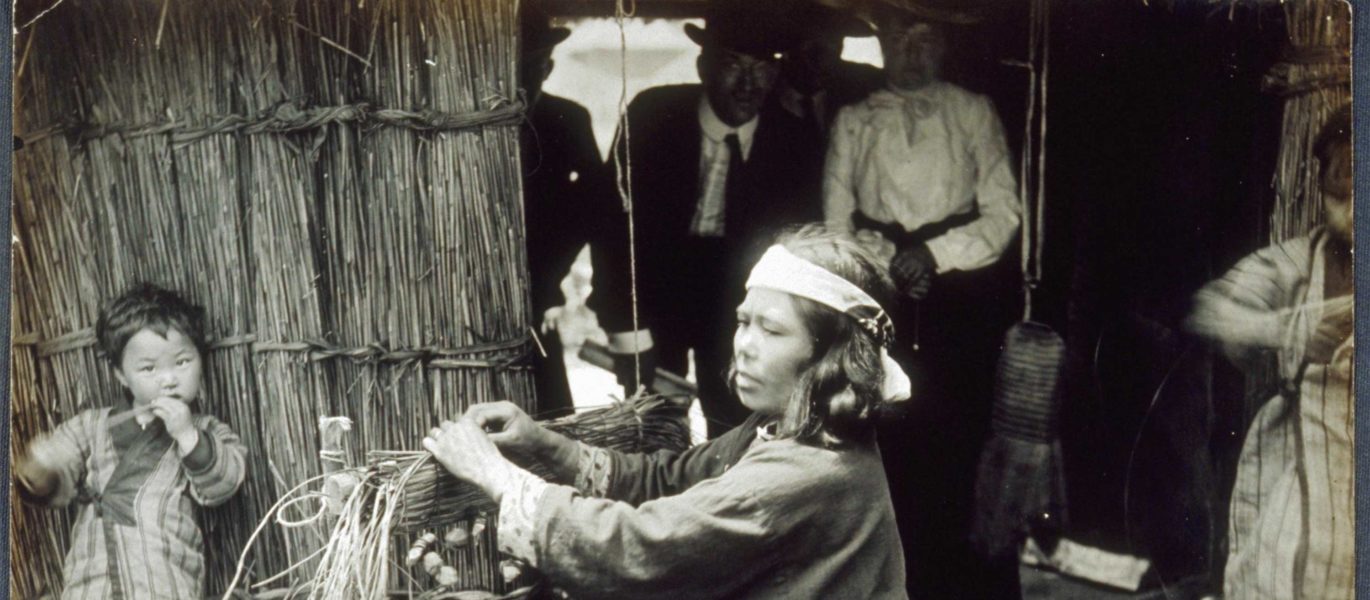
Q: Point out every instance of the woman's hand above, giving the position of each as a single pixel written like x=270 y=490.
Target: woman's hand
x=876 y=243
x=466 y=451
x=511 y=429
x=523 y=440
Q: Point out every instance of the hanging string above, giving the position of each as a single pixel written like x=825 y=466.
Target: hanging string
x=1040 y=201
x=1032 y=182
x=624 y=173
x=1025 y=162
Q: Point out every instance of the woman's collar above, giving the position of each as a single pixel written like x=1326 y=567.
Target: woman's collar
x=767 y=430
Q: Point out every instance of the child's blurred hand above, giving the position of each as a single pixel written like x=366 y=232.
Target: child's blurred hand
x=40 y=480
x=175 y=415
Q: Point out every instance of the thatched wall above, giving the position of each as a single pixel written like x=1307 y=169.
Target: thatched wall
x=337 y=182
x=1315 y=79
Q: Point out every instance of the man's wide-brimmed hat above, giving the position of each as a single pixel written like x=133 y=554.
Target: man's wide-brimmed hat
x=752 y=27
x=810 y=17
x=948 y=12
x=537 y=33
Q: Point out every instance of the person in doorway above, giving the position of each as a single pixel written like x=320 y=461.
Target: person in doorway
x=712 y=176
x=140 y=470
x=791 y=504
x=566 y=200
x=814 y=80
x=920 y=170
x=1291 y=528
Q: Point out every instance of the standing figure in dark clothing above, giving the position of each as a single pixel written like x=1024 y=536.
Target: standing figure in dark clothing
x=712 y=176
x=814 y=80
x=564 y=198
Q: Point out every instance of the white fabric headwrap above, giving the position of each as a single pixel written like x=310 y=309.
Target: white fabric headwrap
x=782 y=271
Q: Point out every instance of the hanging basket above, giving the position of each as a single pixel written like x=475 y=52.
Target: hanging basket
x=1019 y=480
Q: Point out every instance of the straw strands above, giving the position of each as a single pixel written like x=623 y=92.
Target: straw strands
x=403 y=496
x=34 y=532
x=349 y=232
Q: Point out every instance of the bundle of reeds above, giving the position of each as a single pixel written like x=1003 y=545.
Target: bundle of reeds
x=308 y=171
x=108 y=210
x=289 y=296
x=34 y=532
x=1315 y=79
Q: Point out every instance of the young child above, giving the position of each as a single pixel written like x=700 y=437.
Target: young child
x=140 y=467
x=1291 y=532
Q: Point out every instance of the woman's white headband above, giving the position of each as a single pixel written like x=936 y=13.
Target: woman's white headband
x=782 y=271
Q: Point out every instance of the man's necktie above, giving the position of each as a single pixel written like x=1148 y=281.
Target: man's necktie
x=732 y=200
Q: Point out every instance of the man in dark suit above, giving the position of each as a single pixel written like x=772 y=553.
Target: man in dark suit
x=712 y=177
x=565 y=198
x=814 y=80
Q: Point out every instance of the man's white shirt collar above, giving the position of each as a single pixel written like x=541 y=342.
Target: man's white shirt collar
x=715 y=129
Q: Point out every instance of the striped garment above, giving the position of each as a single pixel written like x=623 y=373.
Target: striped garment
x=1292 y=527
x=136 y=534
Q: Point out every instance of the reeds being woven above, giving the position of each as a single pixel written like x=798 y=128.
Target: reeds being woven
x=405 y=494
x=432 y=497
x=350 y=232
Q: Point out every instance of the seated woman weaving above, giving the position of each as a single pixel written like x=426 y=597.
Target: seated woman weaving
x=791 y=504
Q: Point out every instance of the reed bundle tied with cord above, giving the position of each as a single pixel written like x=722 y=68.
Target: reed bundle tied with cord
x=1314 y=78
x=313 y=173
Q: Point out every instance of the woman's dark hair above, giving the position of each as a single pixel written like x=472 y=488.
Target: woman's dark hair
x=146 y=306
x=1334 y=136
x=839 y=392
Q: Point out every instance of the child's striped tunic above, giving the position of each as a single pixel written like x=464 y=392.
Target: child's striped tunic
x=136 y=534
x=1292 y=524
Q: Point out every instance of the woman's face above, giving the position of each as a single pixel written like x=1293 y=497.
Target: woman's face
x=913 y=54
x=771 y=348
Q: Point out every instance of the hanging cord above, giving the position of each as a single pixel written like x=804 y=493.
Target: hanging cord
x=624 y=173
x=1045 y=25
x=1025 y=160
x=1032 y=186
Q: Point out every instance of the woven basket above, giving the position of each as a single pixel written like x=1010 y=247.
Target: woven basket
x=434 y=498
x=1019 y=480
